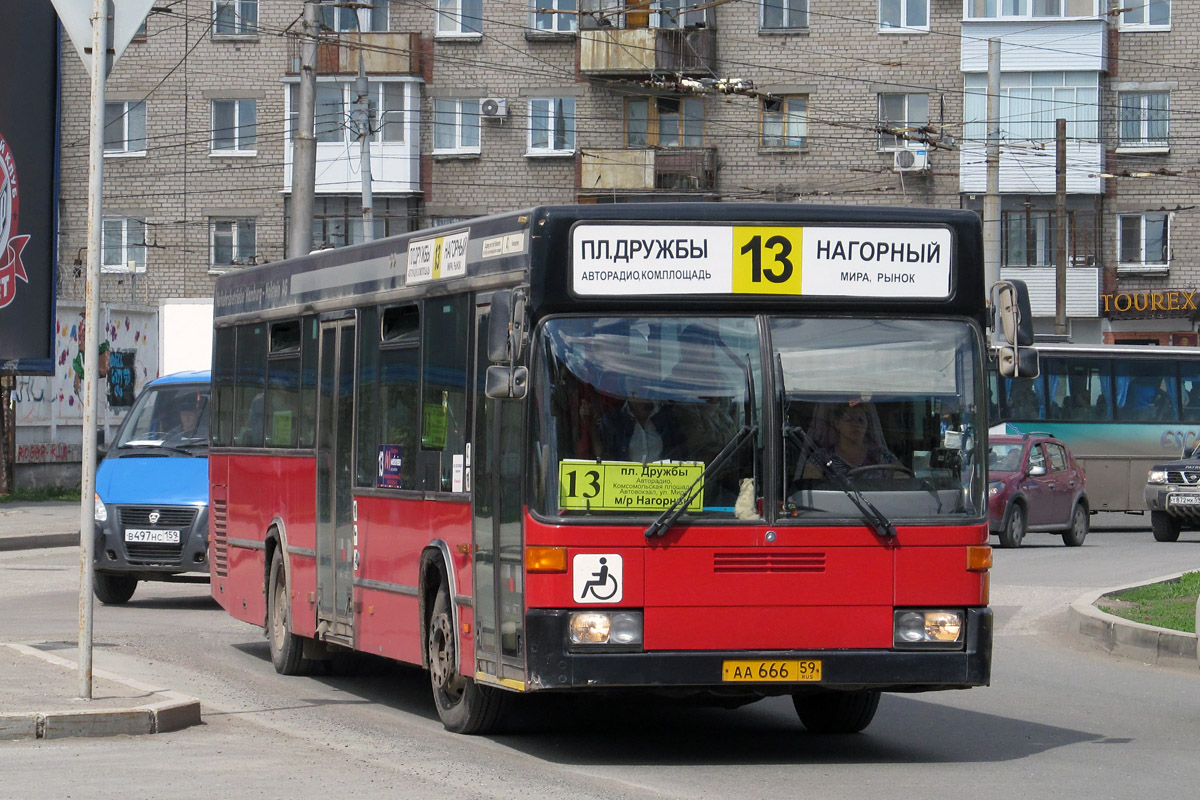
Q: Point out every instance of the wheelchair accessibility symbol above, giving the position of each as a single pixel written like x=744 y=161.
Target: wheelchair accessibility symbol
x=597 y=577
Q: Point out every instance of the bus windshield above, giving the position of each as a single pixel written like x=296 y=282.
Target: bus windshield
x=632 y=410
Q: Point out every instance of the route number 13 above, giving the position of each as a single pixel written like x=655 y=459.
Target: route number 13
x=766 y=260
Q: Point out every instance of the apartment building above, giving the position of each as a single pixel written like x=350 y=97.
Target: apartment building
x=485 y=105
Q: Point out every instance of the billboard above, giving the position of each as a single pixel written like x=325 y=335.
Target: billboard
x=28 y=140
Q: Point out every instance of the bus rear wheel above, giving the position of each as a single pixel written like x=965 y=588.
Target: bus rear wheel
x=287 y=649
x=1014 y=528
x=113 y=590
x=463 y=705
x=1166 y=527
x=836 y=712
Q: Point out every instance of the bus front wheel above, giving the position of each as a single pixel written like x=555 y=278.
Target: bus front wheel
x=1166 y=527
x=836 y=712
x=463 y=705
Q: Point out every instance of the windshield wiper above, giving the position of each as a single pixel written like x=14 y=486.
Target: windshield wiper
x=688 y=496
x=153 y=444
x=798 y=437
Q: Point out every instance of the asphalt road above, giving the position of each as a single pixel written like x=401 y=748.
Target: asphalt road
x=1060 y=719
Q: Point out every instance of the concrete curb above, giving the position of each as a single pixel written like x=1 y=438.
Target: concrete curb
x=37 y=540
x=174 y=711
x=1122 y=637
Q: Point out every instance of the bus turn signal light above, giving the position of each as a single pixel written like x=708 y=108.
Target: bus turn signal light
x=979 y=559
x=545 y=559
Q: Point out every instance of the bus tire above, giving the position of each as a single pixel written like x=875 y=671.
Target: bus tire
x=287 y=649
x=1166 y=527
x=836 y=712
x=462 y=704
x=1014 y=527
x=113 y=590
x=1074 y=535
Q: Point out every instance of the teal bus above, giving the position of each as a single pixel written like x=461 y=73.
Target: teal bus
x=1120 y=408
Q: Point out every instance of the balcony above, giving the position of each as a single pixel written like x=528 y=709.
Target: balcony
x=636 y=51
x=383 y=54
x=1083 y=289
x=674 y=170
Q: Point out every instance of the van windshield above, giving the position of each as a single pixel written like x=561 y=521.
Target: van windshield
x=170 y=416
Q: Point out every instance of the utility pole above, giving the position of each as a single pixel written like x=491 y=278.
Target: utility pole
x=1060 y=232
x=362 y=119
x=304 y=147
x=991 y=200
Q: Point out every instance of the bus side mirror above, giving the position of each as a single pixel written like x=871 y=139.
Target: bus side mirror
x=506 y=326
x=1012 y=315
x=506 y=383
x=1017 y=362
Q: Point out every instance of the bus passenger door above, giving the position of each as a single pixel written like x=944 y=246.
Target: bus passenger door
x=497 y=537
x=335 y=509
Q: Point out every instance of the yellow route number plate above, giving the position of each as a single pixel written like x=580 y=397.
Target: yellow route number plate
x=771 y=671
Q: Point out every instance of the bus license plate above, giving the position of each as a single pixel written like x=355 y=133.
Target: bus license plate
x=1184 y=499
x=771 y=671
x=154 y=537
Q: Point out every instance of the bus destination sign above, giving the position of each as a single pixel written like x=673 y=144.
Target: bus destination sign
x=437 y=258
x=815 y=261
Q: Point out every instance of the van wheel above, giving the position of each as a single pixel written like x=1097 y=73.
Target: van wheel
x=287 y=649
x=1166 y=527
x=113 y=590
x=463 y=705
x=836 y=712
x=1014 y=527
x=1074 y=536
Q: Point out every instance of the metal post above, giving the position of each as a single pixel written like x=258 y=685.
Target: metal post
x=991 y=200
x=91 y=344
x=304 y=147
x=363 y=114
x=1060 y=232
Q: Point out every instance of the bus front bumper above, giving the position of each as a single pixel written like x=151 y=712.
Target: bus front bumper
x=554 y=665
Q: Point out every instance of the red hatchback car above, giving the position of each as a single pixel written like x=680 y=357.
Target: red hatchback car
x=1035 y=484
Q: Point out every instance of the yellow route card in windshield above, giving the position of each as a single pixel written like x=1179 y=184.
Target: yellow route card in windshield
x=625 y=485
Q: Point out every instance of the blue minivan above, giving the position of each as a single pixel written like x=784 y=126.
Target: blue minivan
x=152 y=490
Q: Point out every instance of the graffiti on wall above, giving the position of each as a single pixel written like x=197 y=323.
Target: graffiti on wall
x=128 y=359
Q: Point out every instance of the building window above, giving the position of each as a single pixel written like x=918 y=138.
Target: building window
x=125 y=128
x=681 y=13
x=233 y=243
x=455 y=125
x=544 y=18
x=785 y=14
x=234 y=126
x=1146 y=14
x=124 y=245
x=900 y=115
x=1028 y=239
x=903 y=14
x=333 y=102
x=1144 y=240
x=551 y=126
x=664 y=122
x=784 y=122
x=349 y=20
x=459 y=18
x=1027 y=9
x=337 y=221
x=1144 y=119
x=1030 y=102
x=235 y=17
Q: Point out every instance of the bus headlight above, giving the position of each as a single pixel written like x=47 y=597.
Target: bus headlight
x=101 y=513
x=612 y=628
x=936 y=629
x=1157 y=476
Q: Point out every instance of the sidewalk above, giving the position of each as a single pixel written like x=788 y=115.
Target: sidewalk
x=39 y=681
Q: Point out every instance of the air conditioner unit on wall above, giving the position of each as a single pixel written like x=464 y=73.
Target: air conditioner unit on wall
x=915 y=159
x=493 y=107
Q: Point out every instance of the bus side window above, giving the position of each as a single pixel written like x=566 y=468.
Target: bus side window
x=444 y=410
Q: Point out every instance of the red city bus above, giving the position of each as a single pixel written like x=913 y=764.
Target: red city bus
x=705 y=449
